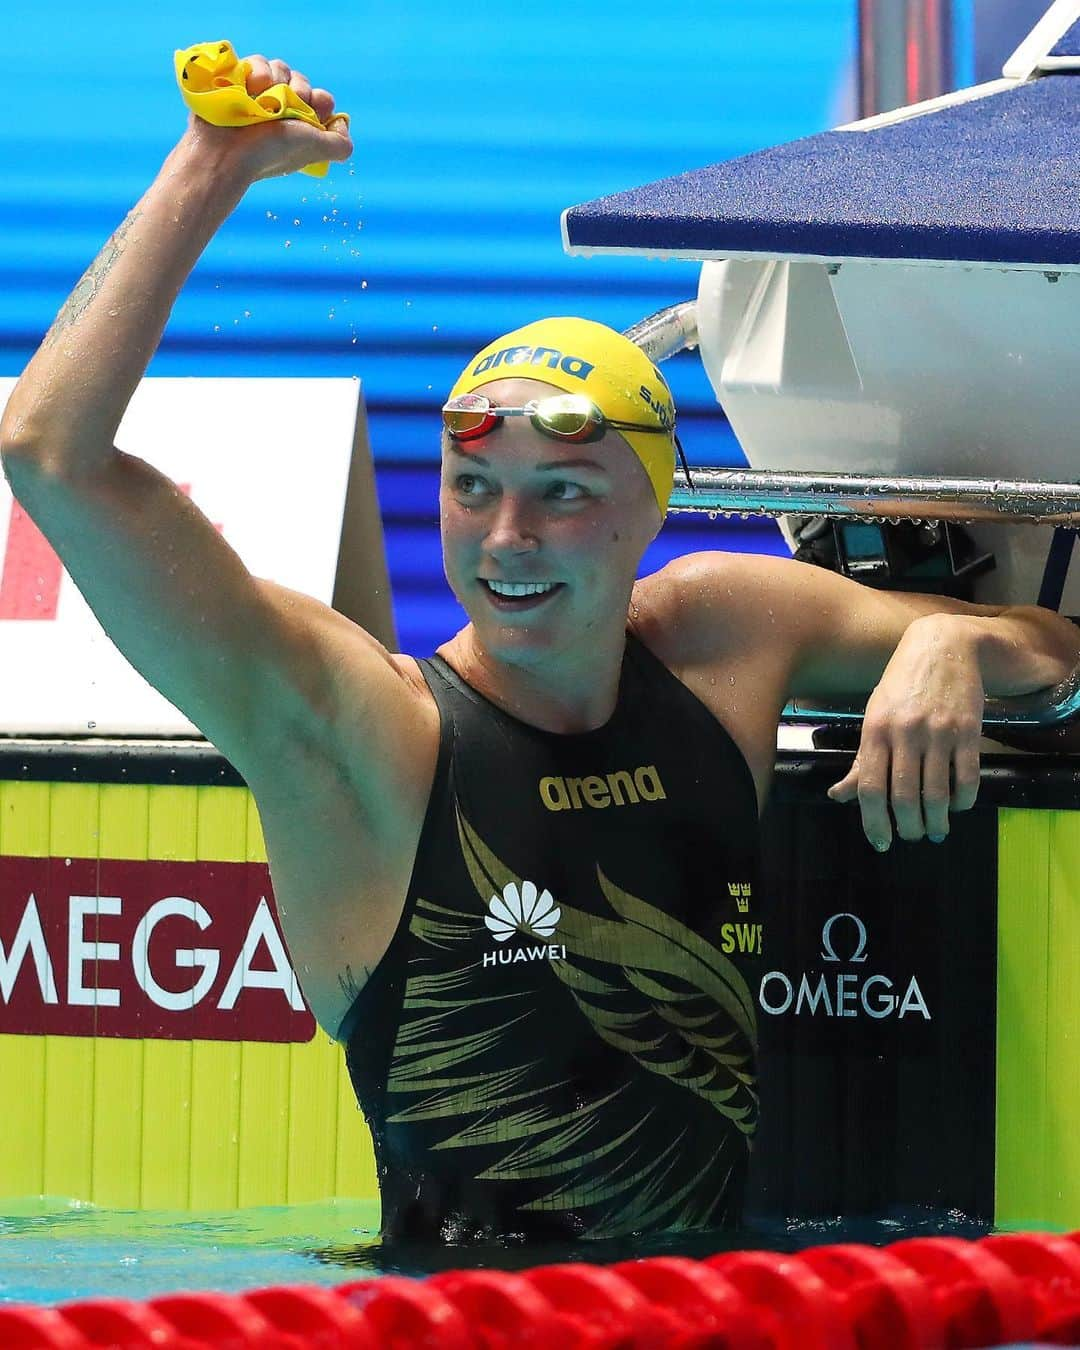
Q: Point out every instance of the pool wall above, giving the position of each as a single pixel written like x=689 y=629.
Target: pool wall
x=169 y=1121
x=1038 y=1018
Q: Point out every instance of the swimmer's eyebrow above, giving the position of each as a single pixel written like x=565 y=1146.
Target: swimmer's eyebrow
x=547 y=467
x=572 y=464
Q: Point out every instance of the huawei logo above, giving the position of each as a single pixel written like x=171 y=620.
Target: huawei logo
x=528 y=911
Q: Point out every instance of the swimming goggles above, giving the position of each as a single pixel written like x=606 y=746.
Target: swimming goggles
x=563 y=417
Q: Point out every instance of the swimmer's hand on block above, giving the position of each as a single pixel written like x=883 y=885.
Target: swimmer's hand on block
x=225 y=91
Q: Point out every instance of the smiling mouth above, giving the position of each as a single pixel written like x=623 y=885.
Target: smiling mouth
x=519 y=594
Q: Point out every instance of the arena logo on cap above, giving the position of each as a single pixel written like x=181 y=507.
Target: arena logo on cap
x=535 y=356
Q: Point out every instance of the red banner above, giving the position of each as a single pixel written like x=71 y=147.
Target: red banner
x=173 y=950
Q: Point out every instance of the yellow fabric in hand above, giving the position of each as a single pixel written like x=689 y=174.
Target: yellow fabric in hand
x=213 y=80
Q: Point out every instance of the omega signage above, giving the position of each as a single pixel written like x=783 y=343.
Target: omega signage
x=835 y=992
x=150 y=949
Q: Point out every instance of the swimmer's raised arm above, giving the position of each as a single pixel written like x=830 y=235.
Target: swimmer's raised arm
x=178 y=602
x=221 y=645
x=70 y=400
x=335 y=736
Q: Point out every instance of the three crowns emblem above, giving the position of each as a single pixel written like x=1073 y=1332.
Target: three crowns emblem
x=740 y=893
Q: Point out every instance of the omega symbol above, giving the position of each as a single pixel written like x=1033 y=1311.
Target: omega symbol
x=829 y=952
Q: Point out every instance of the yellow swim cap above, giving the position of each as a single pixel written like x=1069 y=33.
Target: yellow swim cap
x=583 y=357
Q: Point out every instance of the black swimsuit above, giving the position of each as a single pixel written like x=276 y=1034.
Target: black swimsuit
x=560 y=1040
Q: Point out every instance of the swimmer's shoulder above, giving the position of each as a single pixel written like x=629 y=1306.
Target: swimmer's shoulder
x=706 y=617
x=706 y=607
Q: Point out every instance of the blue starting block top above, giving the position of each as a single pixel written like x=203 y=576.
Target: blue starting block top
x=993 y=179
x=1069 y=42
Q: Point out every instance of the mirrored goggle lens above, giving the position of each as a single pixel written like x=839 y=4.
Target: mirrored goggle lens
x=468 y=416
x=569 y=417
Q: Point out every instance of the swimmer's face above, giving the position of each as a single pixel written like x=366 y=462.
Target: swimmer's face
x=569 y=520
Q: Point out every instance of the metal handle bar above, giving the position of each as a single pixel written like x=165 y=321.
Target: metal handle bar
x=963 y=500
x=666 y=332
x=1044 y=708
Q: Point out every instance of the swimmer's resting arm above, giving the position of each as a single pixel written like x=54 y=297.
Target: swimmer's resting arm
x=928 y=664
x=848 y=634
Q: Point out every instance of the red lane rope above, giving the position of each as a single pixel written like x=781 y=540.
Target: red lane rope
x=921 y=1294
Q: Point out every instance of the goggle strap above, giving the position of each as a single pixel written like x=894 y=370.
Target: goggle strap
x=682 y=461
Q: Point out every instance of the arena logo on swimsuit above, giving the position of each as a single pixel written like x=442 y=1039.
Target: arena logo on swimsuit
x=574 y=794
x=846 y=994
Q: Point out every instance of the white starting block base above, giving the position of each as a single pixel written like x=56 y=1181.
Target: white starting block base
x=281 y=466
x=881 y=368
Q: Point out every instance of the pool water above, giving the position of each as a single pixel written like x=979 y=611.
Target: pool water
x=51 y=1250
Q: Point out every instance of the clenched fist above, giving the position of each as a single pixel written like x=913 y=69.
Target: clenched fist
x=271 y=149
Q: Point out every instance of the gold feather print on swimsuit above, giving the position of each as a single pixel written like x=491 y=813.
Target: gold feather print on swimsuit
x=604 y=1068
